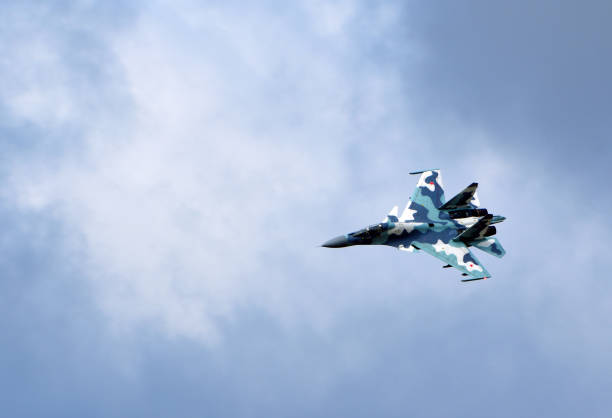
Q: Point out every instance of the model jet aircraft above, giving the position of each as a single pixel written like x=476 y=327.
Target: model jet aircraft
x=443 y=229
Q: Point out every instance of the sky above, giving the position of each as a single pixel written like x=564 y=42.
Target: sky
x=168 y=171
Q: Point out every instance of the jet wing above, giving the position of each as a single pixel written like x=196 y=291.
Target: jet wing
x=458 y=255
x=427 y=197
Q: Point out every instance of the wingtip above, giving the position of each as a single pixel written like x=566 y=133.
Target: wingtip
x=471 y=280
x=422 y=171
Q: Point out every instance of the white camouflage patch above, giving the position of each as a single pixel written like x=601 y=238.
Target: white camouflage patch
x=408 y=214
x=410 y=248
x=422 y=183
x=475 y=200
x=458 y=252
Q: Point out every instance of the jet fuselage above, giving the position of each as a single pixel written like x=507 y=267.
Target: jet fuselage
x=389 y=233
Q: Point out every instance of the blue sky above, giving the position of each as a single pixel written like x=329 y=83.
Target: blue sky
x=168 y=171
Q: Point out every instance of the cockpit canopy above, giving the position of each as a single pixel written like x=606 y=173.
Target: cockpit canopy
x=371 y=231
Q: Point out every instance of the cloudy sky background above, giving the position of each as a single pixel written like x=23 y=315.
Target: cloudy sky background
x=168 y=170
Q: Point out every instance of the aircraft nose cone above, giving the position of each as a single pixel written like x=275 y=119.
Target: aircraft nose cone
x=337 y=242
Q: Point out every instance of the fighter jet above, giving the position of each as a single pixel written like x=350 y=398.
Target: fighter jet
x=443 y=229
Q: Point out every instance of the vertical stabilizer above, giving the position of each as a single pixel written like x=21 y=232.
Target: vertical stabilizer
x=475 y=202
x=463 y=199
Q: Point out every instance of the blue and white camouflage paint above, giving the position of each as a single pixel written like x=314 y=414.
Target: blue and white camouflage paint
x=443 y=229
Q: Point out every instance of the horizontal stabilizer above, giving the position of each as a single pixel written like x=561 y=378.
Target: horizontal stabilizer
x=476 y=231
x=490 y=245
x=462 y=199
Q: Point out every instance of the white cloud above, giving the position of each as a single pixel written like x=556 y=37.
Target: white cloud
x=233 y=133
x=202 y=187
